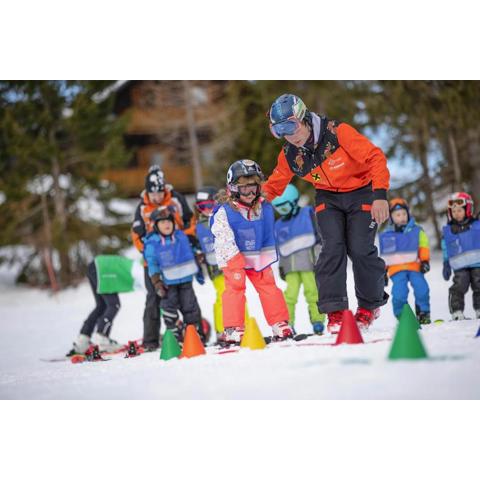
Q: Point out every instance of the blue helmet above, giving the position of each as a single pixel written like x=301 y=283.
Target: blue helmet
x=286 y=203
x=285 y=114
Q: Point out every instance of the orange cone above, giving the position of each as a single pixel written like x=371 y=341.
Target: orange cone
x=349 y=331
x=192 y=345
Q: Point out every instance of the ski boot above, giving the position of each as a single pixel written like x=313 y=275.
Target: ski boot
x=281 y=331
x=231 y=336
x=365 y=317
x=106 y=344
x=458 y=315
x=318 y=328
x=80 y=346
x=423 y=318
x=335 y=321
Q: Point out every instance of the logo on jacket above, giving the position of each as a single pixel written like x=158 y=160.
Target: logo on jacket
x=316 y=177
x=299 y=161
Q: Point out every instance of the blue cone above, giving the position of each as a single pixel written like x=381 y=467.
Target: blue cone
x=478 y=333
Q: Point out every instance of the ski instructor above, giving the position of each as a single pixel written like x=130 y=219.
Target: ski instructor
x=351 y=179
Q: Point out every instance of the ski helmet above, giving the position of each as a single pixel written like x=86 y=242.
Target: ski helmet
x=154 y=181
x=243 y=168
x=205 y=200
x=397 y=204
x=462 y=199
x=286 y=203
x=285 y=114
x=162 y=213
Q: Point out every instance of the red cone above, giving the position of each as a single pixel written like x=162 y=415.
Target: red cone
x=349 y=331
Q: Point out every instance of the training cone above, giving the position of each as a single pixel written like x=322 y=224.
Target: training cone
x=349 y=331
x=170 y=347
x=407 y=313
x=407 y=343
x=252 y=338
x=478 y=333
x=192 y=344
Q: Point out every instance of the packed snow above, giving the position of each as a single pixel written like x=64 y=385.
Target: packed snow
x=37 y=325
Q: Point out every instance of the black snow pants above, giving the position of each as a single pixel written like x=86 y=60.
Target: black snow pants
x=346 y=228
x=106 y=308
x=151 y=315
x=181 y=297
x=462 y=279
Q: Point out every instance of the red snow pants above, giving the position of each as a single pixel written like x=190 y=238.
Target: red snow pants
x=233 y=299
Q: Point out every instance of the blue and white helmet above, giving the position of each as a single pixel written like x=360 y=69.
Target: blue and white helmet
x=285 y=114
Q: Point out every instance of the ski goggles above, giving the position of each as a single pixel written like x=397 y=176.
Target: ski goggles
x=287 y=127
x=284 y=208
x=206 y=205
x=459 y=202
x=247 y=188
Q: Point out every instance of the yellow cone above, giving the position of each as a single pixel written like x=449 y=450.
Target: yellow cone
x=252 y=338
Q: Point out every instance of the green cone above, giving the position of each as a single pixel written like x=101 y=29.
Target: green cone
x=407 y=313
x=170 y=347
x=407 y=343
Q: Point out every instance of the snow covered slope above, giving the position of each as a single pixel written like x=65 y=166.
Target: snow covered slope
x=35 y=325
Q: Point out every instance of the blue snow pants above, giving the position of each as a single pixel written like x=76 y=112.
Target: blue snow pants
x=400 y=290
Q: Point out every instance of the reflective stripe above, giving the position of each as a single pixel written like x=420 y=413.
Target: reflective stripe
x=465 y=259
x=181 y=270
x=211 y=259
x=260 y=260
x=399 y=258
x=296 y=244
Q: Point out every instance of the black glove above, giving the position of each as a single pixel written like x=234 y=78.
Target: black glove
x=158 y=285
x=282 y=273
x=447 y=270
x=200 y=257
x=386 y=278
x=425 y=267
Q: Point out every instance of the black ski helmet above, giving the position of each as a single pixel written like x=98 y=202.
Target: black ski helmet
x=162 y=213
x=242 y=168
x=154 y=181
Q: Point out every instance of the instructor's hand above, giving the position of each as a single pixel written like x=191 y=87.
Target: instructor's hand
x=380 y=211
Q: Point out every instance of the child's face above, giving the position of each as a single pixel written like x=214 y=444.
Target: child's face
x=248 y=189
x=458 y=213
x=400 y=217
x=165 y=227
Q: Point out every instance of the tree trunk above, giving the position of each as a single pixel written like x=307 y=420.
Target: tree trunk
x=192 y=134
x=47 y=247
x=474 y=160
x=422 y=148
x=457 y=174
x=61 y=221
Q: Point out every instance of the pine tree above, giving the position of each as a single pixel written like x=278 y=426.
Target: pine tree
x=55 y=143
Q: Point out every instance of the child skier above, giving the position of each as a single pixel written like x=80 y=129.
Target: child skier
x=296 y=237
x=204 y=205
x=108 y=276
x=461 y=253
x=171 y=267
x=243 y=227
x=405 y=249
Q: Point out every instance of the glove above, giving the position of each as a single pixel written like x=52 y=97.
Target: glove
x=158 y=285
x=447 y=270
x=282 y=273
x=200 y=277
x=200 y=257
x=425 y=267
x=386 y=278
